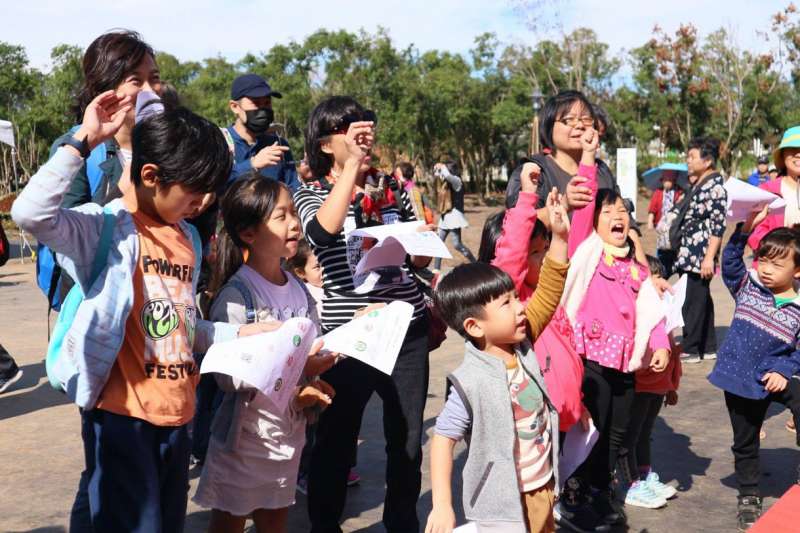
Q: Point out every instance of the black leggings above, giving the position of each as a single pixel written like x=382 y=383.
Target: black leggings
x=646 y=406
x=608 y=395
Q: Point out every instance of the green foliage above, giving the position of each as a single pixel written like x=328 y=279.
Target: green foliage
x=475 y=108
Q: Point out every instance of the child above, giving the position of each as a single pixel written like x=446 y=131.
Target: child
x=304 y=265
x=661 y=203
x=516 y=242
x=759 y=358
x=134 y=335
x=616 y=314
x=498 y=400
x=254 y=453
x=652 y=390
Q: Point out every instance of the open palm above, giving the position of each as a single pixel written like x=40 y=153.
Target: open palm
x=103 y=117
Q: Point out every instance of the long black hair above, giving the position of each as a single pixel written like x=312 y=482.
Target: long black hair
x=248 y=203
x=493 y=230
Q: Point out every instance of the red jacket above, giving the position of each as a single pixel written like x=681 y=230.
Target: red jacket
x=657 y=201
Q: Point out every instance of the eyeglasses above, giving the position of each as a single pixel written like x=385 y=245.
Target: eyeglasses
x=571 y=122
x=344 y=123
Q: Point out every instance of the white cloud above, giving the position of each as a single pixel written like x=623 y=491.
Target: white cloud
x=202 y=28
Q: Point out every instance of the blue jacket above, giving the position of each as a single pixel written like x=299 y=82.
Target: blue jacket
x=762 y=338
x=97 y=332
x=285 y=172
x=755 y=179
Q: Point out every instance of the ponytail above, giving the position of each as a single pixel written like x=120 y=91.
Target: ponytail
x=229 y=259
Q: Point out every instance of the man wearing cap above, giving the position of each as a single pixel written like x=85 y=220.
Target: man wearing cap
x=761 y=175
x=255 y=146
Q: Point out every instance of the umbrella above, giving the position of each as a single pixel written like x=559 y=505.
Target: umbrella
x=652 y=177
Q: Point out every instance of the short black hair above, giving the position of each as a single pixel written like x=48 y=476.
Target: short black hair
x=323 y=119
x=780 y=242
x=464 y=292
x=708 y=148
x=656 y=266
x=555 y=108
x=493 y=230
x=187 y=149
x=407 y=169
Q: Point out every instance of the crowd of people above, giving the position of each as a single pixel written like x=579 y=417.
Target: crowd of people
x=177 y=234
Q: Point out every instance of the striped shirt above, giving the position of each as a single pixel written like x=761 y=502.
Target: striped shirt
x=339 y=258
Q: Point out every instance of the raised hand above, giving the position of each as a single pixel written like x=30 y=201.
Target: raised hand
x=359 y=139
x=578 y=195
x=529 y=177
x=590 y=140
x=103 y=118
x=557 y=210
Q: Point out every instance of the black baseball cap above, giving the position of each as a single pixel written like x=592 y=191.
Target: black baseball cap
x=252 y=85
x=763 y=160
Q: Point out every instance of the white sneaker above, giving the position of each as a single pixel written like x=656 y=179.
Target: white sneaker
x=709 y=356
x=641 y=495
x=661 y=489
x=6 y=383
x=690 y=358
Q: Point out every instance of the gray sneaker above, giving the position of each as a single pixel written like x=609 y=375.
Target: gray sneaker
x=5 y=383
x=690 y=358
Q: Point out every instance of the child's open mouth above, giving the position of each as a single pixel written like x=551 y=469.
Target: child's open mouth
x=618 y=230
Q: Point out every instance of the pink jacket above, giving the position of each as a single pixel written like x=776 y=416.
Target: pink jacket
x=772 y=221
x=601 y=336
x=554 y=348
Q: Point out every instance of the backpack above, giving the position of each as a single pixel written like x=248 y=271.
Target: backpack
x=48 y=273
x=60 y=370
x=74 y=298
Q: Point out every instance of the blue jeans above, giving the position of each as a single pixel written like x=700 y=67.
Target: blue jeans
x=404 y=394
x=136 y=477
x=458 y=244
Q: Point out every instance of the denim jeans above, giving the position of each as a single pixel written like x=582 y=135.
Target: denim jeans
x=457 y=243
x=404 y=394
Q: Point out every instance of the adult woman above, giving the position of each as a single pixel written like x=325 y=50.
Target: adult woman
x=562 y=121
x=339 y=138
x=122 y=61
x=450 y=204
x=701 y=220
x=660 y=204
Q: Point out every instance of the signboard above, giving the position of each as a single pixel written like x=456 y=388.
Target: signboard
x=626 y=174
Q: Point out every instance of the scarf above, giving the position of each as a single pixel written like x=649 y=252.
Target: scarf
x=582 y=266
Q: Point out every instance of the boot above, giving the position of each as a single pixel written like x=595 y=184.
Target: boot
x=573 y=511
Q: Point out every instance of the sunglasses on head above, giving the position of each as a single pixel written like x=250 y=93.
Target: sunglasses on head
x=344 y=123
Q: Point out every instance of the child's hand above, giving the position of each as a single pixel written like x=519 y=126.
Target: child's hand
x=441 y=520
x=658 y=363
x=662 y=286
x=258 y=327
x=590 y=140
x=529 y=177
x=755 y=218
x=103 y=118
x=318 y=363
x=774 y=382
x=557 y=209
x=671 y=398
x=578 y=194
x=317 y=393
x=368 y=309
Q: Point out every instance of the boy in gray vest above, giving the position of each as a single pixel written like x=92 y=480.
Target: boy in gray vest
x=498 y=402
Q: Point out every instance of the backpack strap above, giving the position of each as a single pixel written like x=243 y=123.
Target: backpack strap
x=103 y=245
x=229 y=140
x=249 y=307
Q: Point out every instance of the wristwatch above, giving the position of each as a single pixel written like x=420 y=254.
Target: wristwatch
x=81 y=146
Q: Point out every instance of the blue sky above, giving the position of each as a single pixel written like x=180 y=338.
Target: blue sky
x=202 y=28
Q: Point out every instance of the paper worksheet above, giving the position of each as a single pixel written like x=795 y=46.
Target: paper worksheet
x=374 y=338
x=394 y=242
x=577 y=445
x=673 y=305
x=271 y=362
x=744 y=198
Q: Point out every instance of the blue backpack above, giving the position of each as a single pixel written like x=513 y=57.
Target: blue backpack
x=48 y=273
x=58 y=369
